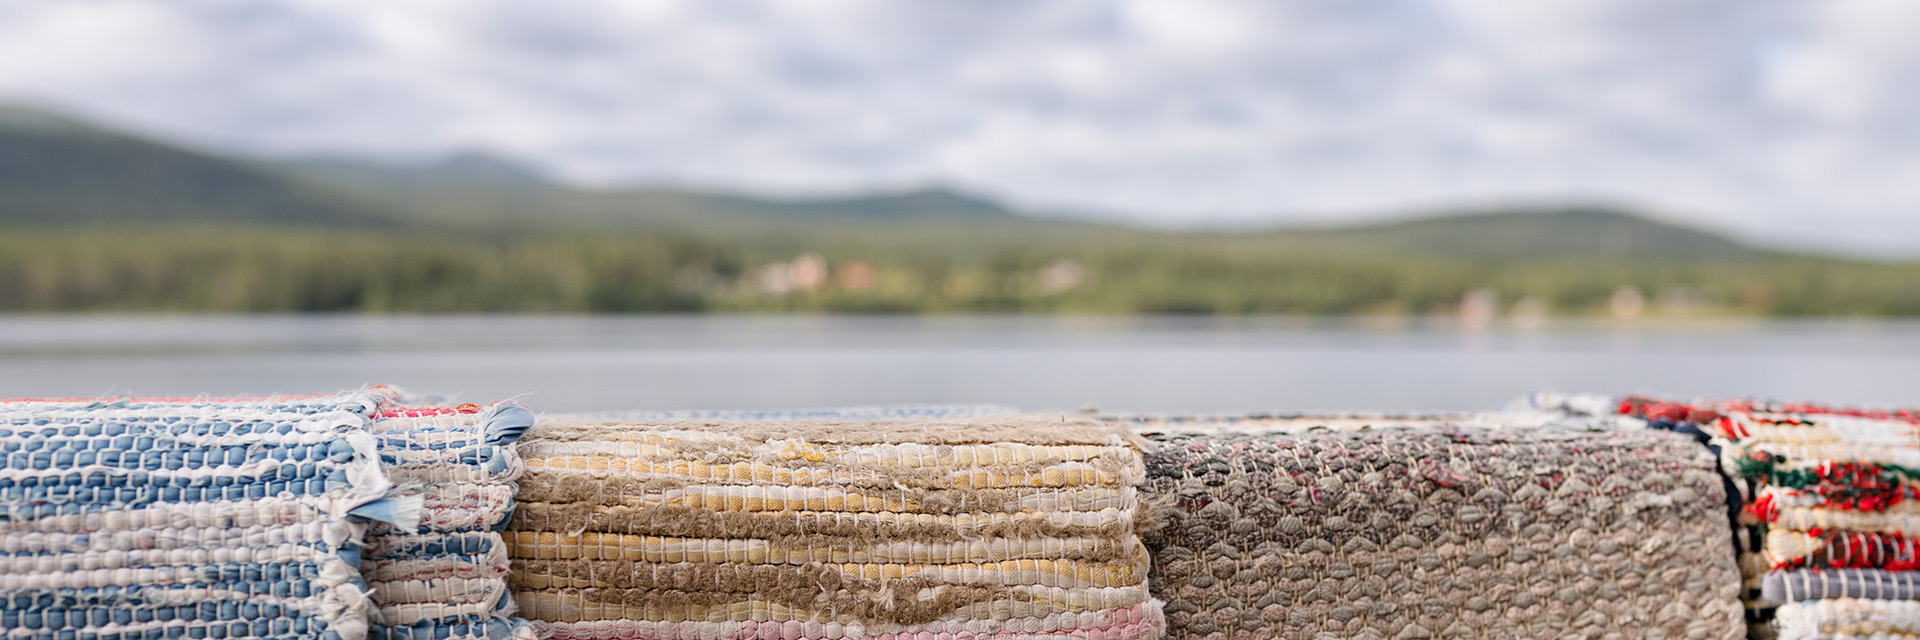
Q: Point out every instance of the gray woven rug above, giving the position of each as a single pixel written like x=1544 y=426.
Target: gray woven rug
x=1418 y=533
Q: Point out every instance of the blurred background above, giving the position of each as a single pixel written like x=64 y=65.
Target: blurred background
x=1152 y=206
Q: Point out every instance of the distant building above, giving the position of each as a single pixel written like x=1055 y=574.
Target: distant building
x=1478 y=308
x=1627 y=303
x=1061 y=276
x=1530 y=313
x=776 y=278
x=854 y=276
x=807 y=272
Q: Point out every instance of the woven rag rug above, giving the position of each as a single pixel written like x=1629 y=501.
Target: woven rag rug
x=1826 y=521
x=1274 y=423
x=446 y=579
x=125 y=519
x=1438 y=531
x=871 y=412
x=1013 y=527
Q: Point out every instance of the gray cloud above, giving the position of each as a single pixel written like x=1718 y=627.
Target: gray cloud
x=1786 y=120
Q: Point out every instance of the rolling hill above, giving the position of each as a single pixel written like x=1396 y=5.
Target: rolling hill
x=474 y=188
x=1573 y=234
x=58 y=171
x=55 y=170
x=465 y=170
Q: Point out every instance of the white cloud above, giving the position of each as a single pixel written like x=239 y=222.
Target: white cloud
x=1776 y=117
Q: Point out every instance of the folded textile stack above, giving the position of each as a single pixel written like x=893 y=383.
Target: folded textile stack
x=1439 y=532
x=137 y=519
x=935 y=528
x=1827 y=525
x=446 y=579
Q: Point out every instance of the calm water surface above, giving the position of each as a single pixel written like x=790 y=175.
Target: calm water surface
x=1116 y=364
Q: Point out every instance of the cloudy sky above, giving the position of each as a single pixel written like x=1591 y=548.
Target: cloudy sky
x=1789 y=121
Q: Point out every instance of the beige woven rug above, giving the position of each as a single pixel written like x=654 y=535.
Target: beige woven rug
x=1010 y=526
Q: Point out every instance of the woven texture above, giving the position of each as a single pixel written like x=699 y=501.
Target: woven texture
x=1457 y=533
x=926 y=528
x=1272 y=423
x=1845 y=618
x=1781 y=587
x=149 y=519
x=1824 y=516
x=874 y=412
x=447 y=577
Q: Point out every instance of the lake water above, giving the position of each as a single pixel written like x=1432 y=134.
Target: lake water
x=1115 y=364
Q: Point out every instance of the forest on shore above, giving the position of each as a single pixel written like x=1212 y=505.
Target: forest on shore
x=268 y=269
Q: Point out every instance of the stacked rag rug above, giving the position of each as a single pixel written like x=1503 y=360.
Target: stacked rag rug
x=1828 y=526
x=1437 y=531
x=446 y=579
x=929 y=528
x=127 y=519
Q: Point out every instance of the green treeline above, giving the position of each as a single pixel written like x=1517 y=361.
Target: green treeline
x=259 y=269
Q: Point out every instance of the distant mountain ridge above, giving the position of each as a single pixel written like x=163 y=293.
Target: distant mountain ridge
x=485 y=188
x=919 y=204
x=1558 y=234
x=467 y=169
x=56 y=171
